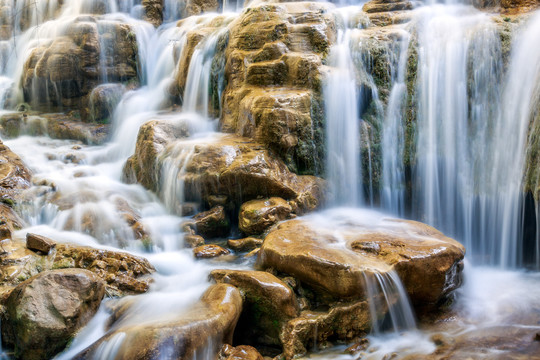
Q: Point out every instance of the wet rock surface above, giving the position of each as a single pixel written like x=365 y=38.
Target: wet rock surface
x=258 y=215
x=209 y=323
x=43 y=313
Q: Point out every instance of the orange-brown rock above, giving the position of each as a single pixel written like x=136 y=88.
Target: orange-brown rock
x=39 y=243
x=212 y=223
x=274 y=79
x=268 y=304
x=207 y=325
x=245 y=244
x=334 y=254
x=258 y=215
x=44 y=313
x=209 y=251
x=242 y=352
x=193 y=240
x=225 y=165
x=123 y=272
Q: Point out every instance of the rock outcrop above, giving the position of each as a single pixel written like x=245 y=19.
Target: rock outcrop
x=274 y=81
x=43 y=313
x=230 y=166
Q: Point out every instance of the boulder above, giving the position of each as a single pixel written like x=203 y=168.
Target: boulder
x=14 y=175
x=209 y=251
x=44 y=313
x=246 y=244
x=268 y=304
x=208 y=324
x=224 y=165
x=258 y=215
x=153 y=11
x=335 y=252
x=103 y=100
x=193 y=240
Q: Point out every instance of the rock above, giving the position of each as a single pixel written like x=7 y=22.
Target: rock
x=362 y=345
x=344 y=321
x=60 y=74
x=274 y=79
x=14 y=176
x=258 y=215
x=103 y=100
x=226 y=165
x=193 y=240
x=56 y=126
x=268 y=304
x=334 y=252
x=179 y=337
x=209 y=251
x=196 y=7
x=212 y=223
x=124 y=273
x=242 y=352
x=39 y=243
x=153 y=11
x=246 y=244
x=377 y=6
x=44 y=313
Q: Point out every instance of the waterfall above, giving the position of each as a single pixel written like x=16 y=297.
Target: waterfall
x=342 y=125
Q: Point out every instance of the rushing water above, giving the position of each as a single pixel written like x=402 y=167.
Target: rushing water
x=468 y=157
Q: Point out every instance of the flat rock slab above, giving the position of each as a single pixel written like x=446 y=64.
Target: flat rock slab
x=334 y=251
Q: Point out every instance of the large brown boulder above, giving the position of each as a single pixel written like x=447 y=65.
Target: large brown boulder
x=335 y=256
x=43 y=313
x=209 y=323
x=268 y=304
x=225 y=165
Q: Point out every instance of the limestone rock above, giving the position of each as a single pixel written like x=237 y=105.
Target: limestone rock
x=227 y=165
x=153 y=11
x=14 y=175
x=274 y=79
x=103 y=100
x=246 y=244
x=335 y=256
x=44 y=313
x=214 y=317
x=258 y=215
x=39 y=243
x=212 y=223
x=242 y=352
x=209 y=251
x=124 y=273
x=196 y=7
x=268 y=304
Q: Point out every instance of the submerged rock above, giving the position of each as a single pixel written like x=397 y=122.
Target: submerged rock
x=258 y=215
x=43 y=313
x=204 y=327
x=335 y=256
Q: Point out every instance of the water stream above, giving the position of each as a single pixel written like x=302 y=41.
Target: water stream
x=465 y=176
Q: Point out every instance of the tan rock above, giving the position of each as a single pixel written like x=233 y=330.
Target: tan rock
x=153 y=11
x=246 y=244
x=44 y=313
x=209 y=251
x=214 y=317
x=39 y=243
x=336 y=258
x=193 y=240
x=212 y=223
x=256 y=216
x=242 y=352
x=269 y=304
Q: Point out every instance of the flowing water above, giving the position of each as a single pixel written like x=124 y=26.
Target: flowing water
x=466 y=177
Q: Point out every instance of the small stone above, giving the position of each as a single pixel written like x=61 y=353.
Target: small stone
x=245 y=244
x=212 y=223
x=362 y=345
x=258 y=215
x=39 y=243
x=209 y=251
x=193 y=240
x=242 y=352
